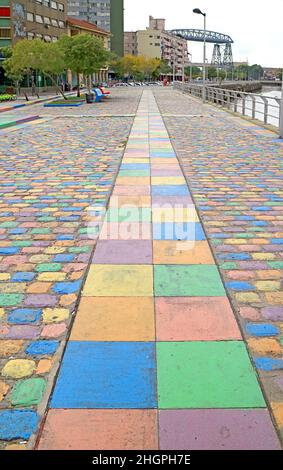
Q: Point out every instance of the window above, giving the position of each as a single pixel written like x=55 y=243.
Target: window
x=47 y=38
x=5 y=33
x=47 y=20
x=61 y=24
x=30 y=17
x=54 y=5
x=61 y=7
x=38 y=19
x=54 y=39
x=46 y=3
x=39 y=36
x=30 y=36
x=54 y=22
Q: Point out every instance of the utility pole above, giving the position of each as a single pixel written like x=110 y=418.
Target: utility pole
x=281 y=114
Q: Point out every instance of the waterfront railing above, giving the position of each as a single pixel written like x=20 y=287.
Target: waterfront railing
x=251 y=105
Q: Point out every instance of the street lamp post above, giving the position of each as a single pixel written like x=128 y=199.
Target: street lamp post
x=191 y=66
x=199 y=12
x=281 y=114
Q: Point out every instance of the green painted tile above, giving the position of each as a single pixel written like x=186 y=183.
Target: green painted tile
x=79 y=249
x=41 y=231
x=229 y=266
x=187 y=280
x=28 y=392
x=133 y=214
x=10 y=300
x=275 y=264
x=48 y=267
x=134 y=173
x=21 y=243
x=209 y=374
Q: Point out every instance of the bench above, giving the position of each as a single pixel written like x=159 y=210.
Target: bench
x=98 y=95
x=104 y=91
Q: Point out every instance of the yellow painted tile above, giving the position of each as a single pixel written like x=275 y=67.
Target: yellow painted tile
x=168 y=180
x=114 y=319
x=119 y=281
x=49 y=276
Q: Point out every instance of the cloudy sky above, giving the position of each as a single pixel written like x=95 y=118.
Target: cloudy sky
x=255 y=27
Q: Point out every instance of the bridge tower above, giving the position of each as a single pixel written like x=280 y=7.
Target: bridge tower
x=216 y=56
x=228 y=56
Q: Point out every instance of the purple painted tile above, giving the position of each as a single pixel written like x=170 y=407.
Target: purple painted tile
x=217 y=429
x=83 y=257
x=23 y=332
x=40 y=300
x=273 y=313
x=123 y=252
x=253 y=265
x=171 y=200
x=166 y=172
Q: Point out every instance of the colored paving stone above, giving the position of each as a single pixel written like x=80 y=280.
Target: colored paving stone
x=28 y=392
x=131 y=290
x=153 y=332
x=45 y=215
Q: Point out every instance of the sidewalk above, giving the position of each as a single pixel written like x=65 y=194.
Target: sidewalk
x=155 y=359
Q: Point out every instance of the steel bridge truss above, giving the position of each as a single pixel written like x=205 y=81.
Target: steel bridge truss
x=222 y=52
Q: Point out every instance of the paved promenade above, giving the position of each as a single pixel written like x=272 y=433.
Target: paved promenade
x=129 y=294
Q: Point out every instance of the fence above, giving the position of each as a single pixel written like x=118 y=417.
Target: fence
x=255 y=106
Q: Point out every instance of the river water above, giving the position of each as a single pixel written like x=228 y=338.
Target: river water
x=273 y=105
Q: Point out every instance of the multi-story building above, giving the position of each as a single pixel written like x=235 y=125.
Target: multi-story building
x=74 y=27
x=156 y=42
x=41 y=19
x=107 y=14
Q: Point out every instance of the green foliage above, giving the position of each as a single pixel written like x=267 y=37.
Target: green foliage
x=84 y=54
x=7 y=97
x=196 y=72
x=249 y=72
x=138 y=67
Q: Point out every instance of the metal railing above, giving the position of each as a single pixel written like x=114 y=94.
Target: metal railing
x=252 y=105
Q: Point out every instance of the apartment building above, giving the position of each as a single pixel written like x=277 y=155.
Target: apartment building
x=41 y=19
x=107 y=14
x=156 y=42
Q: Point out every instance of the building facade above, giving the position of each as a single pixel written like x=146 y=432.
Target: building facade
x=107 y=14
x=40 y=19
x=75 y=27
x=156 y=42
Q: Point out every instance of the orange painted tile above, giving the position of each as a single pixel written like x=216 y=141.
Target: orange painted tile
x=133 y=180
x=195 y=319
x=100 y=430
x=176 y=252
x=114 y=319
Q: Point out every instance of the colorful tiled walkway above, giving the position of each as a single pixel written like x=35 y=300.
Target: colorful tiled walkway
x=155 y=358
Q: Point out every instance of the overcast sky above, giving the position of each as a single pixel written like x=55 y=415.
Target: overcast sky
x=256 y=26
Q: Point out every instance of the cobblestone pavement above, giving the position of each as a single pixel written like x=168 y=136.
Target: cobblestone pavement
x=121 y=102
x=234 y=170
x=51 y=173
x=155 y=359
x=172 y=358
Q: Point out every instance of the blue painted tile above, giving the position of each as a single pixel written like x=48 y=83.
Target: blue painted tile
x=65 y=237
x=67 y=287
x=261 y=208
x=17 y=424
x=235 y=256
x=9 y=250
x=170 y=190
x=135 y=166
x=107 y=375
x=18 y=231
x=42 y=347
x=24 y=315
x=268 y=364
x=178 y=231
x=260 y=223
x=23 y=277
x=262 y=329
x=63 y=258
x=277 y=241
x=240 y=286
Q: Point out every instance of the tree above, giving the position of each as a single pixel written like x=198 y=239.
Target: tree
x=255 y=72
x=212 y=73
x=279 y=74
x=196 y=72
x=84 y=55
x=28 y=56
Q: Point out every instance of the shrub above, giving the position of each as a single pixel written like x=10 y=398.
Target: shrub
x=7 y=97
